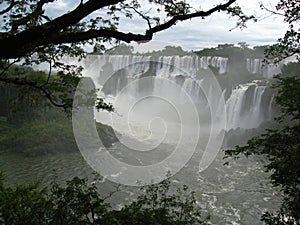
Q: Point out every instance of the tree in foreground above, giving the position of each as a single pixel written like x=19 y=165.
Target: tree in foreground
x=29 y=28
x=80 y=203
x=32 y=34
x=289 y=45
x=282 y=146
x=28 y=32
x=282 y=149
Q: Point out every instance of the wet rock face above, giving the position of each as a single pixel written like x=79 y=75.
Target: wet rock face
x=116 y=82
x=106 y=134
x=248 y=101
x=180 y=79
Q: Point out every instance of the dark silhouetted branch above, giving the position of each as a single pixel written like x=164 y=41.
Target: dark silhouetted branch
x=52 y=32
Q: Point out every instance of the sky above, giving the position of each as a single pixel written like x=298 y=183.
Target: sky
x=197 y=33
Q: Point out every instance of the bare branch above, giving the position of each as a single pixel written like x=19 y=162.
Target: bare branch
x=103 y=33
x=73 y=17
x=24 y=82
x=49 y=97
x=12 y=4
x=38 y=11
x=117 y=189
x=143 y=16
x=175 y=19
x=7 y=67
x=49 y=74
x=263 y=7
x=50 y=33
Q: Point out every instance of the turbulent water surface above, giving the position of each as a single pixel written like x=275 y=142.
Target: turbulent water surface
x=237 y=194
x=157 y=111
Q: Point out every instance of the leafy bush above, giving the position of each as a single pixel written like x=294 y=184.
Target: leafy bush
x=80 y=203
x=39 y=138
x=282 y=148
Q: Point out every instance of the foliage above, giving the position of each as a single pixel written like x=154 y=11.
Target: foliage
x=158 y=205
x=27 y=23
x=280 y=218
x=31 y=88
x=38 y=138
x=32 y=34
x=23 y=204
x=77 y=203
x=44 y=136
x=282 y=148
x=292 y=69
x=240 y=53
x=80 y=203
x=31 y=126
x=290 y=44
x=25 y=82
x=121 y=49
x=169 y=51
x=288 y=96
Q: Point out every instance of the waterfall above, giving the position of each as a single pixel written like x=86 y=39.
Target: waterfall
x=254 y=65
x=234 y=107
x=257 y=66
x=186 y=63
x=244 y=106
x=270 y=107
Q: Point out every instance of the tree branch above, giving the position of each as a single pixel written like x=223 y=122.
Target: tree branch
x=175 y=19
x=35 y=85
x=32 y=16
x=49 y=74
x=12 y=4
x=117 y=189
x=263 y=7
x=19 y=45
x=103 y=33
x=143 y=16
x=128 y=37
x=7 y=67
x=49 y=97
x=73 y=17
x=51 y=32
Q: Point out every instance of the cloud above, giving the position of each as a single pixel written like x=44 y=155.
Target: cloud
x=60 y=7
x=216 y=29
x=211 y=31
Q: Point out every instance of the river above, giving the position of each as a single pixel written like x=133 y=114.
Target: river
x=234 y=194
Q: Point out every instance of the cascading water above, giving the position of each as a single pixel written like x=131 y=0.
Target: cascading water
x=267 y=70
x=254 y=65
x=224 y=191
x=244 y=105
x=234 y=107
x=188 y=63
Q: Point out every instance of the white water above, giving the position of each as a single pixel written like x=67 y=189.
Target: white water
x=252 y=118
x=258 y=66
x=190 y=64
x=187 y=73
x=233 y=195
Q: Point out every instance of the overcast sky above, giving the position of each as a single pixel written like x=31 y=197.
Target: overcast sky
x=198 y=33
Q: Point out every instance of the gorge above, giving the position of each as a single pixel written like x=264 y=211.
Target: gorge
x=152 y=96
x=247 y=104
x=152 y=93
